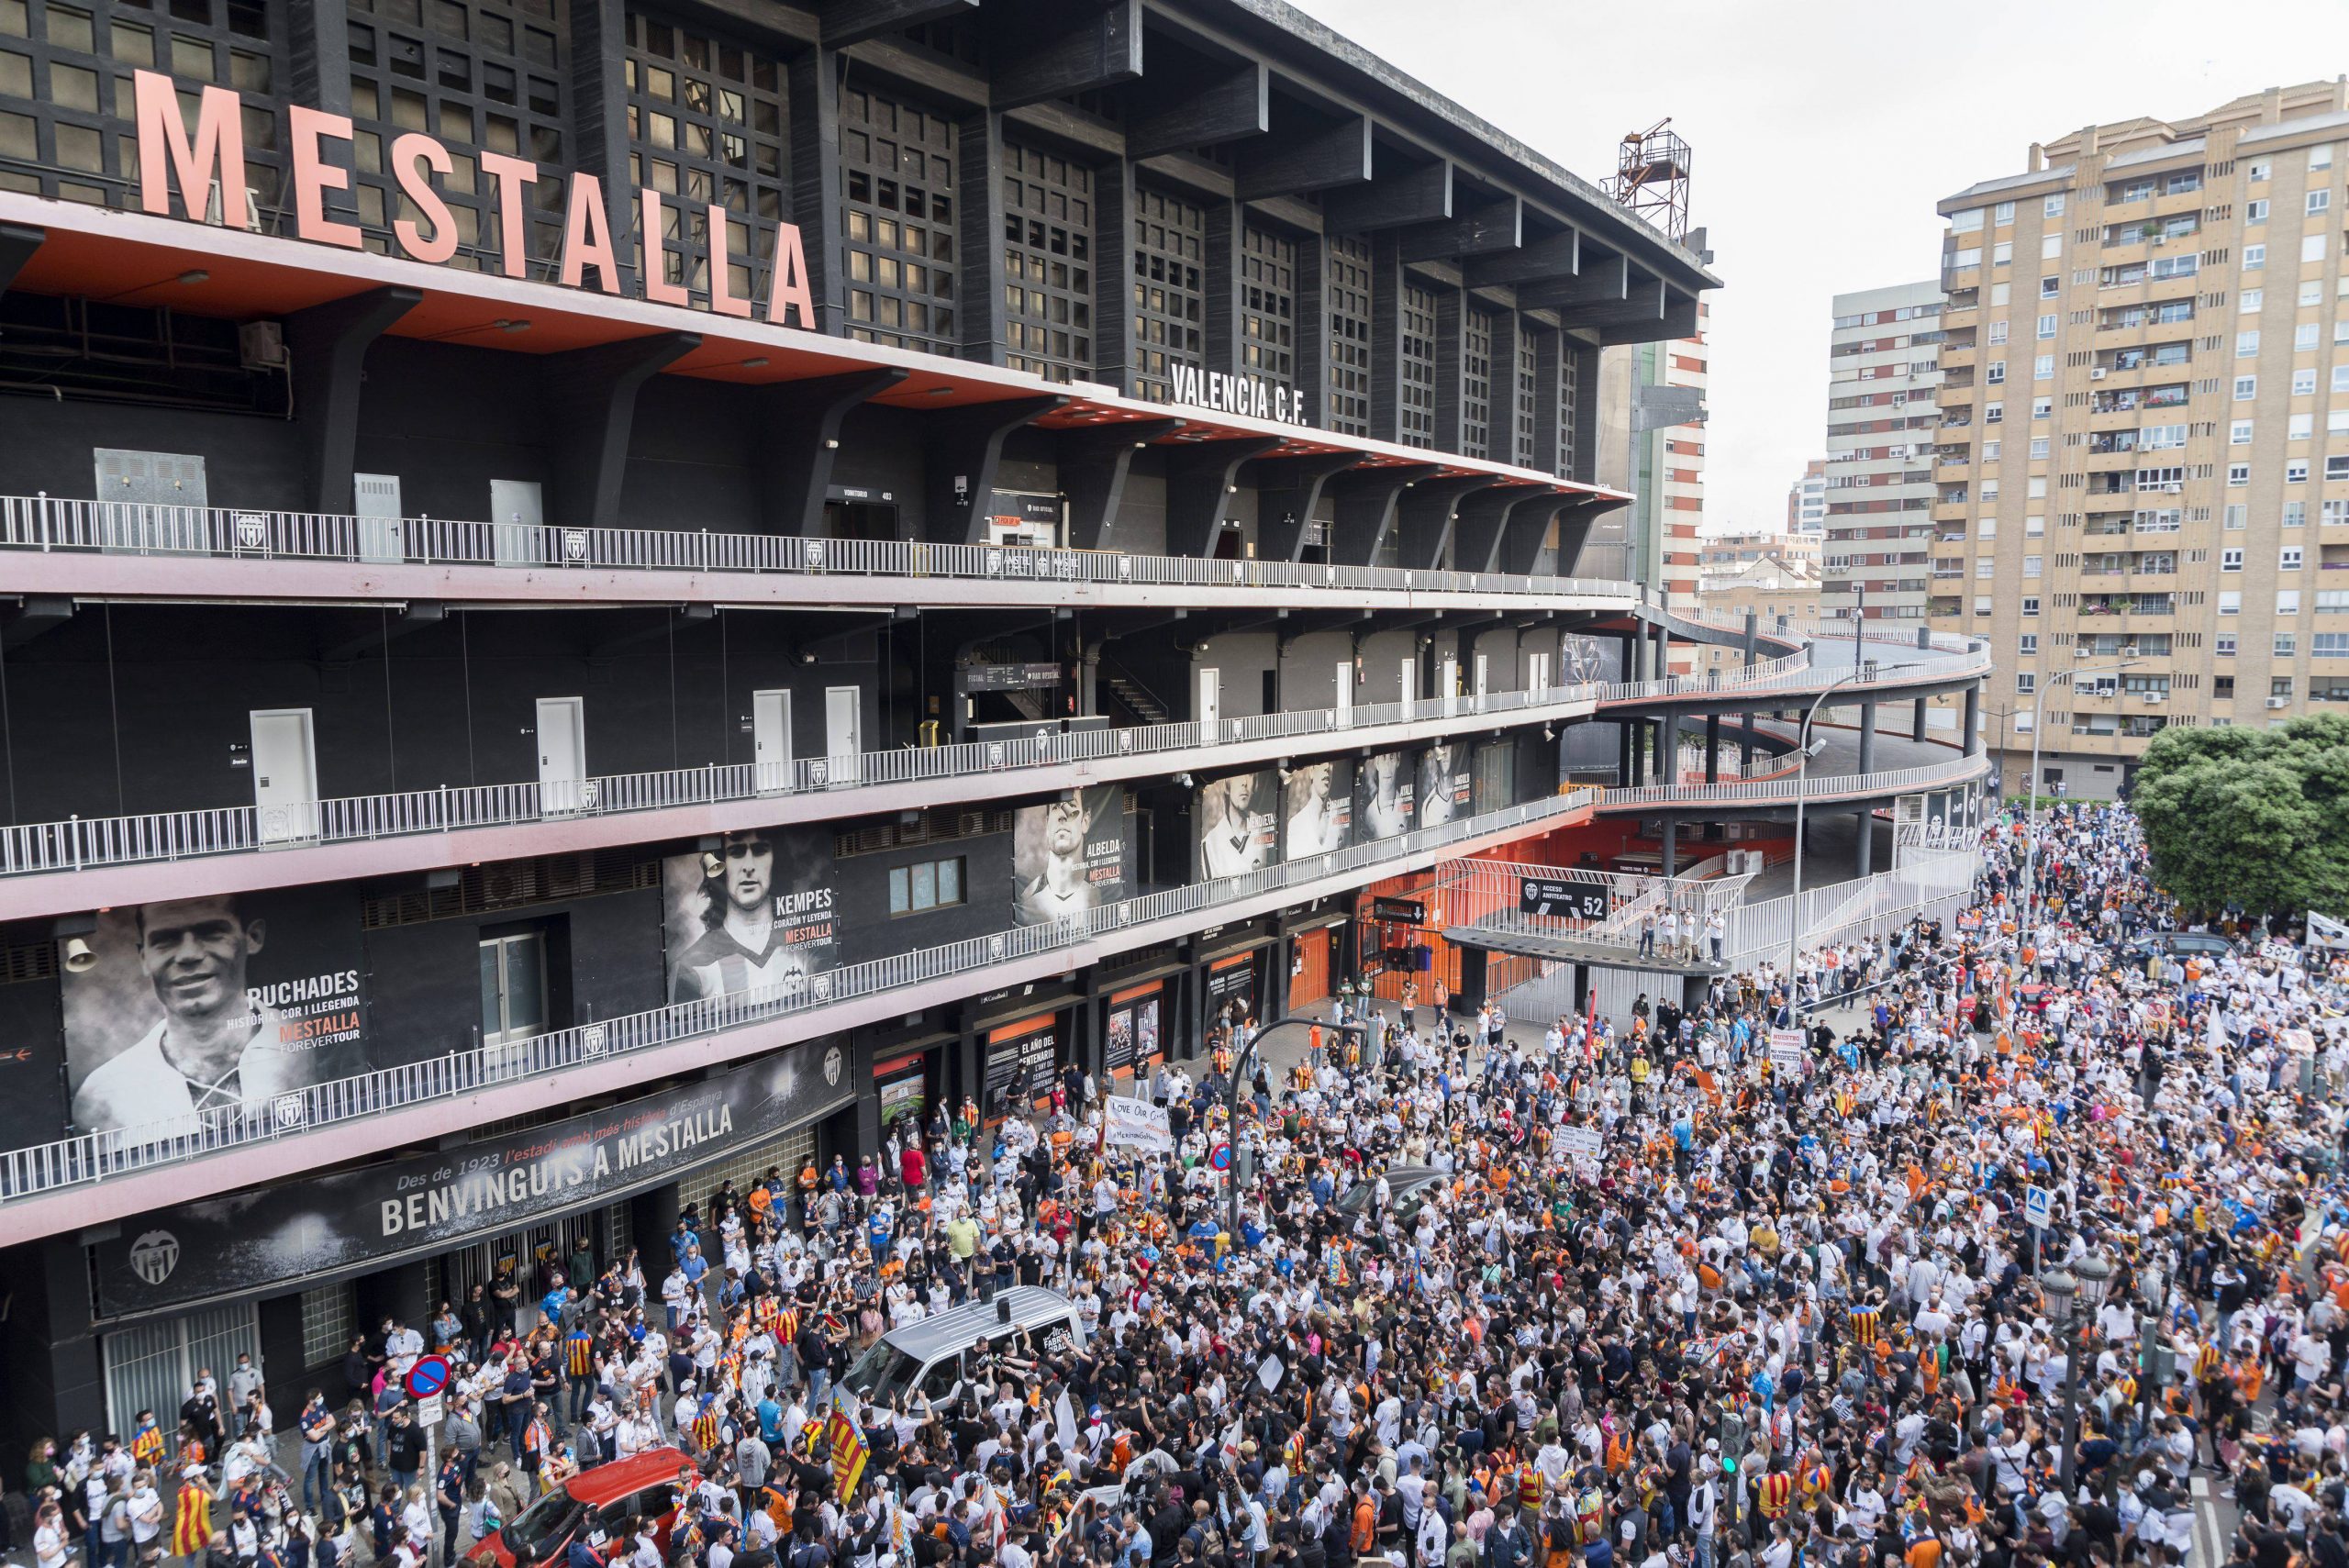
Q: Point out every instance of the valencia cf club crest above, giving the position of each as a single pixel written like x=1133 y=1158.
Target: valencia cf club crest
x=832 y=1064
x=591 y=1041
x=154 y=1255
x=287 y=1110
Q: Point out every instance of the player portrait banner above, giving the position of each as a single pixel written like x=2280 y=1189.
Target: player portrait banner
x=1068 y=856
x=300 y=1230
x=1317 y=809
x=1238 y=822
x=1447 y=783
x=1384 y=790
x=210 y=1005
x=752 y=917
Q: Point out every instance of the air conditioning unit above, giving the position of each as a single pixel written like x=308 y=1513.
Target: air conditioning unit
x=2152 y=697
x=2096 y=374
x=2172 y=488
x=2278 y=702
x=261 y=346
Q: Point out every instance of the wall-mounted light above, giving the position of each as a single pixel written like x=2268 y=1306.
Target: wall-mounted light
x=831 y=444
x=188 y=279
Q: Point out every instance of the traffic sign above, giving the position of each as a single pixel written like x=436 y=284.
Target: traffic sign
x=427 y=1377
x=2037 y=1207
x=1219 y=1157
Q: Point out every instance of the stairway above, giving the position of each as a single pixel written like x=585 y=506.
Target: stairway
x=1132 y=695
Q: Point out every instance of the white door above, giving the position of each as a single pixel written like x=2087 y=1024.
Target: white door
x=563 y=754
x=1480 y=677
x=515 y=515
x=1448 y=683
x=285 y=776
x=380 y=537
x=1345 y=690
x=1408 y=684
x=1537 y=672
x=771 y=740
x=844 y=734
x=1211 y=700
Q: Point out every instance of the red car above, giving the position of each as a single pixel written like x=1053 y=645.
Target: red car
x=601 y=1499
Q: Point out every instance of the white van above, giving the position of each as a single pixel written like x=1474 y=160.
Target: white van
x=930 y=1357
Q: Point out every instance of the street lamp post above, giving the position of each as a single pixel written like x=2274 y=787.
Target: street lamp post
x=2060 y=1290
x=1802 y=786
x=2031 y=840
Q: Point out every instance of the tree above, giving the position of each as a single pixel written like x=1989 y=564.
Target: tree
x=2257 y=818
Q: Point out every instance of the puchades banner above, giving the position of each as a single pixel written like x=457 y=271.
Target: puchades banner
x=288 y=1234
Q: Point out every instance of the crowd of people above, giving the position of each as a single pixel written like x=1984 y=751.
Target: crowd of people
x=1648 y=1292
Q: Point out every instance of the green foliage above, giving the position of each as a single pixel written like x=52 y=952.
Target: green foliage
x=2255 y=817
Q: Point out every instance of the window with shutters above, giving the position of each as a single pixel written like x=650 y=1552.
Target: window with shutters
x=1346 y=262
x=707 y=128
x=1170 y=290
x=1418 y=366
x=67 y=129
x=483 y=77
x=898 y=159
x=1047 y=263
x=1268 y=304
x=1476 y=384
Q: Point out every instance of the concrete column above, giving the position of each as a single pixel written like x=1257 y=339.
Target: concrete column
x=1671 y=847
x=1638 y=732
x=1865 y=859
x=1667 y=750
x=1636 y=656
x=1745 y=740
x=1918 y=732
x=1752 y=639
x=1623 y=741
x=1663 y=653
x=1867 y=738
x=1972 y=720
x=1712 y=747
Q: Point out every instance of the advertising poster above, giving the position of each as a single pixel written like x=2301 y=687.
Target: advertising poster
x=754 y=917
x=1318 y=809
x=1589 y=747
x=1132 y=1040
x=1068 y=856
x=210 y=1004
x=431 y=1202
x=1020 y=1060
x=1232 y=983
x=1383 y=796
x=900 y=1086
x=1583 y=659
x=1445 y=783
x=1239 y=824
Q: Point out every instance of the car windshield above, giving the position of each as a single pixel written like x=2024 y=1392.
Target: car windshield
x=543 y=1529
x=881 y=1373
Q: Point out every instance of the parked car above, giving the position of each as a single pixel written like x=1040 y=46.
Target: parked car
x=539 y=1537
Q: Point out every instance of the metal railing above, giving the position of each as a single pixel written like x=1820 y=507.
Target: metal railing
x=1836 y=787
x=1597 y=907
x=82 y=843
x=95 y=1156
x=1875 y=904
x=43 y=523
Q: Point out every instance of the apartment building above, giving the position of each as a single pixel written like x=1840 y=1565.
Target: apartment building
x=1807 y=499
x=2143 y=473
x=1882 y=374
x=1717 y=553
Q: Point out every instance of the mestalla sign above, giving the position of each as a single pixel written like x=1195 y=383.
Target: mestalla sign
x=207 y=163
x=292 y=1233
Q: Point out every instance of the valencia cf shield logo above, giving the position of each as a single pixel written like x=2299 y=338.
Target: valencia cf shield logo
x=154 y=1255
x=287 y=1110
x=591 y=1041
x=832 y=1064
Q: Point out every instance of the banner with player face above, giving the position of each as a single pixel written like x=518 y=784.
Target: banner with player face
x=1068 y=856
x=752 y=917
x=1385 y=792
x=1318 y=809
x=1238 y=823
x=1446 y=783
x=204 y=1005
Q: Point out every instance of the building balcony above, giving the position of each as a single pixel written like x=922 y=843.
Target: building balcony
x=1958 y=357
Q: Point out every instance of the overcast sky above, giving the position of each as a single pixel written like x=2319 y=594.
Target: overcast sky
x=1822 y=132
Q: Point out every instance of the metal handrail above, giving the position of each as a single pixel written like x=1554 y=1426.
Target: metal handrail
x=92 y=1157
x=47 y=524
x=80 y=843
x=1842 y=786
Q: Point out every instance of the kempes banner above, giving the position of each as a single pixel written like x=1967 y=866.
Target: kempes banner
x=206 y=1003
x=1068 y=856
x=1239 y=825
x=755 y=915
x=299 y=1230
x=1446 y=783
x=1383 y=796
x=1318 y=809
